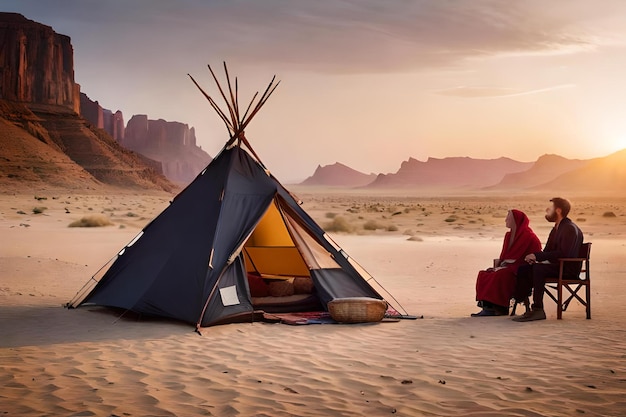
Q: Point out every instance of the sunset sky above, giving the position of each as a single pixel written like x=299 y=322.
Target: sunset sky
x=367 y=83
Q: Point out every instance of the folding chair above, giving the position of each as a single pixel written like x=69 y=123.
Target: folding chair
x=554 y=286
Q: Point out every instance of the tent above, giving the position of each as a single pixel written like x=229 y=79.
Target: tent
x=193 y=261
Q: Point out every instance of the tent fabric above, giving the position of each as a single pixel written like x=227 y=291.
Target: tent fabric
x=191 y=262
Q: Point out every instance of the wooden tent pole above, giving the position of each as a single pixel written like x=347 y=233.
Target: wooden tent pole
x=219 y=87
x=232 y=96
x=228 y=124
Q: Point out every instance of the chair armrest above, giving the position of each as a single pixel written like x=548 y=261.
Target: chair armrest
x=572 y=259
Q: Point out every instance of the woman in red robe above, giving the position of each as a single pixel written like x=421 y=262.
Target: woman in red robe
x=495 y=286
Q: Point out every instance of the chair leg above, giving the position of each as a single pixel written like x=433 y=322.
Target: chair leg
x=588 y=293
x=527 y=304
x=559 y=303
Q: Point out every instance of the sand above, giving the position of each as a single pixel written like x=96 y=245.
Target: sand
x=87 y=362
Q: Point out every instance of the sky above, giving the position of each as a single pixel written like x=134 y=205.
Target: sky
x=366 y=83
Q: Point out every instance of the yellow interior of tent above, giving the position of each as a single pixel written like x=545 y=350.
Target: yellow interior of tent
x=271 y=251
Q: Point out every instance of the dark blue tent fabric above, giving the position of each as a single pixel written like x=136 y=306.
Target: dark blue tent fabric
x=188 y=254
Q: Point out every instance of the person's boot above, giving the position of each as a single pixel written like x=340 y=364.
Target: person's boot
x=537 y=313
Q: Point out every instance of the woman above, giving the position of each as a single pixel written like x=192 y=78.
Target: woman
x=495 y=286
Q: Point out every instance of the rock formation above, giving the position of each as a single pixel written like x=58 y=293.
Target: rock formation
x=43 y=140
x=112 y=123
x=171 y=143
x=36 y=63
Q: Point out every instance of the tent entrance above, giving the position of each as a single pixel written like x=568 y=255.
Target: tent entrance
x=277 y=265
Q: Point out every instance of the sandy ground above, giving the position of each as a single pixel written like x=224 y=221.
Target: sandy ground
x=87 y=362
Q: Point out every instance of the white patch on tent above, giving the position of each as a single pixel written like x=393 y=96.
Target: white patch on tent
x=132 y=242
x=229 y=296
x=122 y=251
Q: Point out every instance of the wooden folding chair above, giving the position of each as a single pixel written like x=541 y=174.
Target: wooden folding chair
x=554 y=286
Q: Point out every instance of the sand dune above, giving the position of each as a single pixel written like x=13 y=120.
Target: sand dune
x=94 y=362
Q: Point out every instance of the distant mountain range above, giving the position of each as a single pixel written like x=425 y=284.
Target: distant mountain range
x=338 y=175
x=459 y=173
x=549 y=172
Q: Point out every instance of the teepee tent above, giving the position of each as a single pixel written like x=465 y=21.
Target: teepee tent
x=193 y=261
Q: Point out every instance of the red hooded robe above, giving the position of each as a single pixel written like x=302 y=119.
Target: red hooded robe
x=497 y=287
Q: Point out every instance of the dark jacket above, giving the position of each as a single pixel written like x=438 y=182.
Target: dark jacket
x=563 y=242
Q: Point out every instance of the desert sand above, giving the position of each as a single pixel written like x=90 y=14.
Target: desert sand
x=424 y=251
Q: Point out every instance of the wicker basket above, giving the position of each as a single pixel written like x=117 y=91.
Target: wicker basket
x=357 y=309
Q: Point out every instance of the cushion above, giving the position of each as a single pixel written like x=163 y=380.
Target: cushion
x=303 y=285
x=281 y=288
x=258 y=287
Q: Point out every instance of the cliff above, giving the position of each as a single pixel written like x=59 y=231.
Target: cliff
x=43 y=140
x=36 y=63
x=171 y=143
x=112 y=123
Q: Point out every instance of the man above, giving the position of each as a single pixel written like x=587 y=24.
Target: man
x=564 y=241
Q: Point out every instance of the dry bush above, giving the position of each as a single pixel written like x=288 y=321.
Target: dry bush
x=91 y=221
x=39 y=210
x=372 y=225
x=451 y=219
x=392 y=228
x=330 y=215
x=415 y=239
x=609 y=214
x=339 y=224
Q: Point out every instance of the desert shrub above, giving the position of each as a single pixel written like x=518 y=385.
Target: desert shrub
x=21 y=212
x=131 y=214
x=339 y=224
x=372 y=225
x=91 y=221
x=39 y=210
x=38 y=198
x=609 y=214
x=415 y=239
x=392 y=228
x=330 y=215
x=396 y=213
x=581 y=219
x=451 y=219
x=408 y=232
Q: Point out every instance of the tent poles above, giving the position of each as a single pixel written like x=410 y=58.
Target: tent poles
x=228 y=104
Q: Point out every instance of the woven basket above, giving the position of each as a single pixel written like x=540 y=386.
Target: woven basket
x=357 y=309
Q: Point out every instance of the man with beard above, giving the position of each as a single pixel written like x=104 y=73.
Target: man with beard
x=564 y=241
